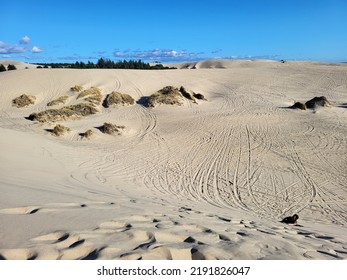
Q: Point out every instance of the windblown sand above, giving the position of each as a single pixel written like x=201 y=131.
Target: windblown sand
x=205 y=180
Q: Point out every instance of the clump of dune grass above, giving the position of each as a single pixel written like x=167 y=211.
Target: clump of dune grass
x=58 y=101
x=191 y=95
x=87 y=135
x=109 y=128
x=92 y=95
x=76 y=88
x=298 y=105
x=23 y=101
x=91 y=91
x=321 y=101
x=199 y=96
x=117 y=98
x=60 y=130
x=168 y=95
x=72 y=112
x=187 y=93
x=313 y=103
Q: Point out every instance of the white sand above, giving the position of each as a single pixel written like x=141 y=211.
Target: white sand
x=200 y=181
x=18 y=64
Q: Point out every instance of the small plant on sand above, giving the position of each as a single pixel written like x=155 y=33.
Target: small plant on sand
x=109 y=128
x=77 y=88
x=60 y=130
x=92 y=95
x=23 y=101
x=72 y=112
x=298 y=105
x=88 y=134
x=199 y=96
x=168 y=95
x=187 y=94
x=313 y=103
x=58 y=101
x=116 y=98
x=11 y=67
x=321 y=101
x=2 y=68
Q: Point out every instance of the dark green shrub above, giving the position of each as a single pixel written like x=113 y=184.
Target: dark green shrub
x=11 y=67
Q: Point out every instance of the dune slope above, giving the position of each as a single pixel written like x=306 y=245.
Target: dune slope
x=207 y=180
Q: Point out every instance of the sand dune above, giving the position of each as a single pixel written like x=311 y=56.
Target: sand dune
x=209 y=179
x=19 y=65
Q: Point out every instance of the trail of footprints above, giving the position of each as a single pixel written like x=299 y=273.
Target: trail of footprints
x=174 y=236
x=28 y=210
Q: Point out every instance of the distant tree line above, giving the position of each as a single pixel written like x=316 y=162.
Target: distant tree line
x=103 y=63
x=9 y=67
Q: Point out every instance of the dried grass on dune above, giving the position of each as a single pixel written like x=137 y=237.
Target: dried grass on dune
x=66 y=113
x=23 y=101
x=168 y=95
x=117 y=98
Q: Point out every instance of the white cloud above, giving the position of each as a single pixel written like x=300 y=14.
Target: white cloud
x=233 y=57
x=8 y=49
x=25 y=40
x=36 y=50
x=76 y=57
x=163 y=55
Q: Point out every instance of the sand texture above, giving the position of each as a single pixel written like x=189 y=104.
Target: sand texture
x=201 y=178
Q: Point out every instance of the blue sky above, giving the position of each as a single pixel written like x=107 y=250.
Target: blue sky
x=172 y=31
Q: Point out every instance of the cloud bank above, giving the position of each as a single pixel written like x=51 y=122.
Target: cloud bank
x=171 y=55
x=162 y=55
x=25 y=49
x=7 y=49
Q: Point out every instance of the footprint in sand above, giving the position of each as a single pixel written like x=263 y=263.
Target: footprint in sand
x=54 y=237
x=319 y=255
x=28 y=210
x=18 y=254
x=145 y=218
x=113 y=226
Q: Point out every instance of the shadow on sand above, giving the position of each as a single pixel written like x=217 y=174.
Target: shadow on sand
x=143 y=101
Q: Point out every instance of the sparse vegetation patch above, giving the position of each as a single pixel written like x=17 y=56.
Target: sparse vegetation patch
x=187 y=94
x=298 y=105
x=313 y=103
x=23 y=101
x=60 y=130
x=199 y=96
x=168 y=95
x=77 y=88
x=117 y=98
x=11 y=67
x=66 y=113
x=109 y=128
x=317 y=101
x=88 y=134
x=172 y=96
x=92 y=95
x=58 y=101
